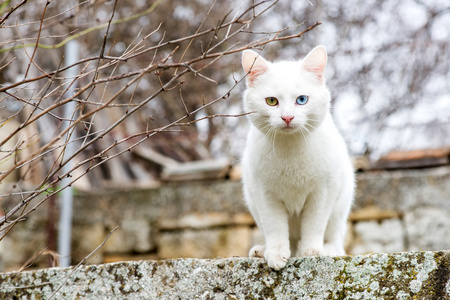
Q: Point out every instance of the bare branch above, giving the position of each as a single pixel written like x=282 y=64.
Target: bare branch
x=109 y=95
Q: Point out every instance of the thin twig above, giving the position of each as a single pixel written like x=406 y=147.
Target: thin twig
x=38 y=37
x=213 y=116
x=14 y=8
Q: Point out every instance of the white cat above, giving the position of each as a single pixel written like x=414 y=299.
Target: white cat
x=297 y=174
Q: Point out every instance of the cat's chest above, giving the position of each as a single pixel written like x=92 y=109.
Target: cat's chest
x=290 y=162
x=292 y=172
x=287 y=170
x=287 y=180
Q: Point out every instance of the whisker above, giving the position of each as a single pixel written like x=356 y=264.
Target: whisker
x=275 y=131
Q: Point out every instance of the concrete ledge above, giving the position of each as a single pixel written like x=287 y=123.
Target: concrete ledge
x=413 y=275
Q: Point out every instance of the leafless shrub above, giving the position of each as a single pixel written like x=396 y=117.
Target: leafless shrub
x=133 y=81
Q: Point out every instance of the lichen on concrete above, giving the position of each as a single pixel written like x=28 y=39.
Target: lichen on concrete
x=420 y=275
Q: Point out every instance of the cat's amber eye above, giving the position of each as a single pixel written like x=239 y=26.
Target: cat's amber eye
x=272 y=101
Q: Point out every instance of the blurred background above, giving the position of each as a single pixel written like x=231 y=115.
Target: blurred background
x=163 y=165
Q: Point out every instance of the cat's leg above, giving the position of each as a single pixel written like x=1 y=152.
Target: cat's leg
x=337 y=224
x=335 y=235
x=314 y=219
x=272 y=219
x=276 y=232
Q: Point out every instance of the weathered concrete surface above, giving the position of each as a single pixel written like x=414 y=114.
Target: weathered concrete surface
x=414 y=275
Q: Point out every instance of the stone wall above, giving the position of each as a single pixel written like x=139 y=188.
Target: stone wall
x=394 y=211
x=424 y=275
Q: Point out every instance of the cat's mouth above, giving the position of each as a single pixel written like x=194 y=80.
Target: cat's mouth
x=289 y=128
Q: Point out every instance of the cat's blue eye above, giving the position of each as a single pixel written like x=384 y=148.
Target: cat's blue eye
x=302 y=100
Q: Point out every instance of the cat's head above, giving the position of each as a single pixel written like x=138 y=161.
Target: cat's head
x=288 y=97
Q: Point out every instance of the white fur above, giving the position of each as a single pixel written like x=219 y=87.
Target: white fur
x=298 y=178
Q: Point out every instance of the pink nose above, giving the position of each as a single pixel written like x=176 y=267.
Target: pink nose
x=287 y=119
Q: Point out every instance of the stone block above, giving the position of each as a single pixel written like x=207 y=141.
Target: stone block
x=24 y=241
x=133 y=235
x=403 y=190
x=378 y=236
x=84 y=240
x=205 y=220
x=373 y=212
x=196 y=170
x=428 y=228
x=205 y=243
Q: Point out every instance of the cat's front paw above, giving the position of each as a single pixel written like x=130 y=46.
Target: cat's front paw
x=312 y=252
x=277 y=257
x=257 y=251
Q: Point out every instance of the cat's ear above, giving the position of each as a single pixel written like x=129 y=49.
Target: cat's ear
x=315 y=62
x=254 y=65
